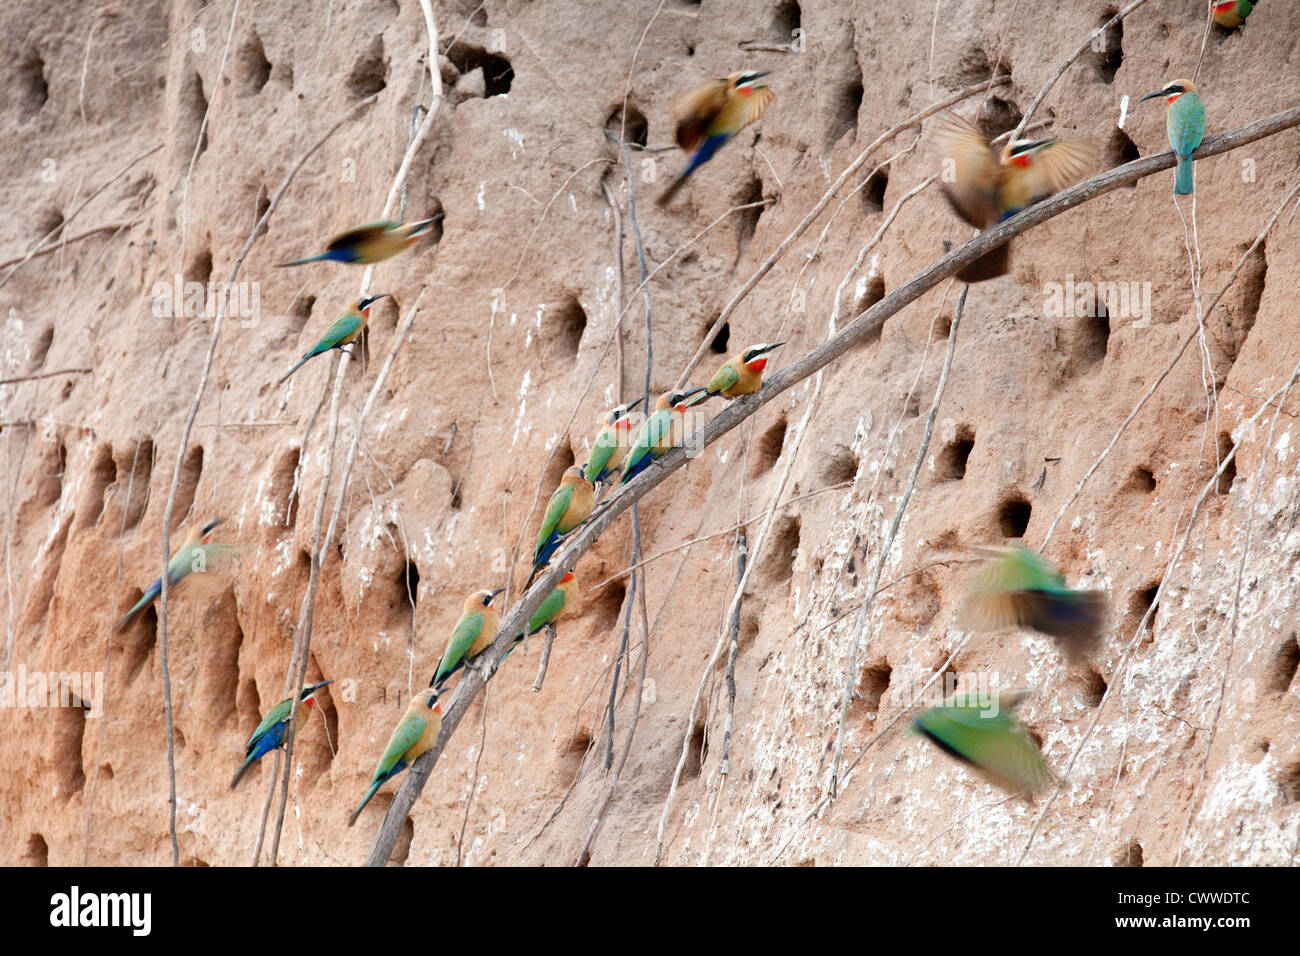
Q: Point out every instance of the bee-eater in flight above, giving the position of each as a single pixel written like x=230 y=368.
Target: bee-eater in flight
x=195 y=554
x=371 y=243
x=984 y=187
x=980 y=731
x=1019 y=589
x=711 y=114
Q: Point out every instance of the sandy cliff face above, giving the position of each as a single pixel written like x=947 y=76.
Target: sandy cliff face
x=1196 y=749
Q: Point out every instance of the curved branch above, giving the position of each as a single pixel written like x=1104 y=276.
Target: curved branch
x=742 y=408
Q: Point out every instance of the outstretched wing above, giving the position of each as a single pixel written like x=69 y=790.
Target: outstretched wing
x=969 y=172
x=694 y=112
x=361 y=234
x=1058 y=166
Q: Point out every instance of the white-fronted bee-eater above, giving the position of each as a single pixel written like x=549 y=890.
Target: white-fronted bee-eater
x=569 y=507
x=371 y=243
x=474 y=631
x=613 y=441
x=1185 y=125
x=661 y=430
x=274 y=728
x=984 y=187
x=980 y=731
x=345 y=330
x=1018 y=588
x=741 y=374
x=709 y=115
x=413 y=736
x=197 y=553
x=1230 y=14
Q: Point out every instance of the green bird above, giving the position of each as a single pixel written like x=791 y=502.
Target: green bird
x=569 y=507
x=980 y=731
x=613 y=442
x=274 y=728
x=473 y=633
x=195 y=554
x=414 y=735
x=1019 y=589
x=559 y=603
x=659 y=432
x=1185 y=124
x=371 y=243
x=345 y=330
x=1230 y=14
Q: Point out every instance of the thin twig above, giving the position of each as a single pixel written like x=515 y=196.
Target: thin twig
x=32 y=378
x=850 y=672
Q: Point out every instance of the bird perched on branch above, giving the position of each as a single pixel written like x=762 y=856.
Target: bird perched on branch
x=984 y=187
x=613 y=441
x=413 y=736
x=1233 y=13
x=980 y=731
x=741 y=374
x=561 y=602
x=1019 y=589
x=345 y=330
x=661 y=430
x=274 y=728
x=711 y=114
x=1185 y=124
x=473 y=633
x=371 y=243
x=569 y=507
x=196 y=553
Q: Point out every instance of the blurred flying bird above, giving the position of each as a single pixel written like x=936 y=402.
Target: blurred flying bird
x=371 y=243
x=474 y=631
x=1185 y=124
x=345 y=330
x=197 y=553
x=414 y=734
x=980 y=731
x=1019 y=589
x=984 y=188
x=613 y=442
x=274 y=728
x=711 y=114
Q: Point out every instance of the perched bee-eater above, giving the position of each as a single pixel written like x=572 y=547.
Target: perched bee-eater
x=414 y=735
x=569 y=507
x=741 y=374
x=1185 y=124
x=345 y=330
x=613 y=442
x=1019 y=589
x=195 y=554
x=659 y=432
x=984 y=188
x=980 y=731
x=478 y=625
x=1232 y=13
x=274 y=728
x=371 y=243
x=711 y=114
x=561 y=602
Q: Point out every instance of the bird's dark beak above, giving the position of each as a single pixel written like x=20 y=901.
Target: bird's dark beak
x=211 y=525
x=491 y=595
x=1151 y=96
x=759 y=75
x=633 y=404
x=771 y=348
x=684 y=397
x=316 y=687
